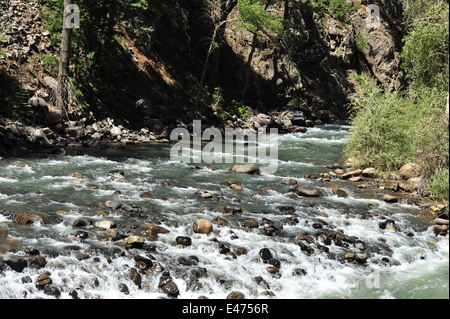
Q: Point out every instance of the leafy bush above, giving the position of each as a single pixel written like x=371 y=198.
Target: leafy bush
x=383 y=126
x=338 y=9
x=438 y=184
x=239 y=109
x=426 y=49
x=254 y=17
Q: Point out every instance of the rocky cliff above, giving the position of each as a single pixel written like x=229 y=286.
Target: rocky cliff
x=307 y=67
x=304 y=69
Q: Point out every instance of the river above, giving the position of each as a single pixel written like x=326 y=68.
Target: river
x=404 y=262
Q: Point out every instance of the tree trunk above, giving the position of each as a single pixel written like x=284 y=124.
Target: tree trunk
x=64 y=58
x=249 y=65
x=447 y=111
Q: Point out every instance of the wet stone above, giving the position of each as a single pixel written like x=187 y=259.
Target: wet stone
x=135 y=277
x=236 y=295
x=16 y=263
x=52 y=290
x=183 y=240
x=171 y=290
x=123 y=288
x=265 y=254
x=43 y=280
x=32 y=251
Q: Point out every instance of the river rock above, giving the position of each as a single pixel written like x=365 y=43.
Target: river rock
x=231 y=210
x=236 y=187
x=115 y=131
x=82 y=222
x=52 y=290
x=40 y=135
x=202 y=226
x=265 y=254
x=171 y=289
x=250 y=223
x=360 y=258
x=135 y=277
x=411 y=185
x=105 y=224
x=409 y=170
x=43 y=280
x=135 y=241
x=37 y=262
x=143 y=263
x=113 y=204
x=145 y=232
x=308 y=191
x=16 y=263
x=3 y=233
x=183 y=240
x=236 y=295
x=158 y=229
x=23 y=218
x=147 y=195
x=370 y=172
x=340 y=192
x=389 y=199
x=353 y=173
x=247 y=169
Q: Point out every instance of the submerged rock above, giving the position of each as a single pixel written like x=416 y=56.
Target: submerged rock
x=340 y=192
x=23 y=218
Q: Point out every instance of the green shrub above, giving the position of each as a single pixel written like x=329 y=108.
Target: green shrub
x=239 y=109
x=438 y=184
x=19 y=108
x=338 y=9
x=383 y=126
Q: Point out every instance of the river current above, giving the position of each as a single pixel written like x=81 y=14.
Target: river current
x=406 y=262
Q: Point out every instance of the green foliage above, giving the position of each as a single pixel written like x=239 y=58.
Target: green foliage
x=50 y=64
x=338 y=9
x=3 y=53
x=236 y=107
x=438 y=185
x=382 y=132
x=426 y=48
x=254 y=17
x=360 y=41
x=19 y=108
x=239 y=109
x=217 y=97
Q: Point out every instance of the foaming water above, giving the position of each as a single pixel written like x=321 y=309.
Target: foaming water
x=408 y=262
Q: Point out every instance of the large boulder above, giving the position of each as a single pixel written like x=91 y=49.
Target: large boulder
x=409 y=170
x=54 y=117
x=154 y=125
